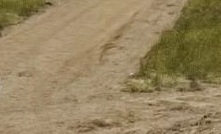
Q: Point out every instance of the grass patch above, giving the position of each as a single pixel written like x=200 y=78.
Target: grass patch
x=192 y=49
x=13 y=11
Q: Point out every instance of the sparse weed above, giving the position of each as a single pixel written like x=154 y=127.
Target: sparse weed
x=161 y=82
x=138 y=86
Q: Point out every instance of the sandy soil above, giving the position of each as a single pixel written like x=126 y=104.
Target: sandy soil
x=62 y=73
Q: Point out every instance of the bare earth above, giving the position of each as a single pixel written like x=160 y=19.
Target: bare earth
x=63 y=71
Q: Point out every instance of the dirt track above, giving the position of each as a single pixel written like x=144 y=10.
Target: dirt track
x=62 y=72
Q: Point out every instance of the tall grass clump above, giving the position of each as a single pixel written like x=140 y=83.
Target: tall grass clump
x=12 y=11
x=192 y=48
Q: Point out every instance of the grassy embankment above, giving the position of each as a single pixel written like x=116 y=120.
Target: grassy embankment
x=13 y=11
x=191 y=50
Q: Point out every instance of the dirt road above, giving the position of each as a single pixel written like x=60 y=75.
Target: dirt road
x=62 y=72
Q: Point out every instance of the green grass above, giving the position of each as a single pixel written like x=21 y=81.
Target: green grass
x=192 y=49
x=12 y=11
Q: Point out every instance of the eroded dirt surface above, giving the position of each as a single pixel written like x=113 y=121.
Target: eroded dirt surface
x=63 y=71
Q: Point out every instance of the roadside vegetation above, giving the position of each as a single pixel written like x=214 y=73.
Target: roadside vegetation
x=13 y=11
x=190 y=51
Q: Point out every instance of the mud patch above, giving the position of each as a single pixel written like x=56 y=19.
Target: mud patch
x=93 y=125
x=204 y=124
x=178 y=106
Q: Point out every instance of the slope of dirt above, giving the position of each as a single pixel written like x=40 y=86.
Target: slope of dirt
x=62 y=73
